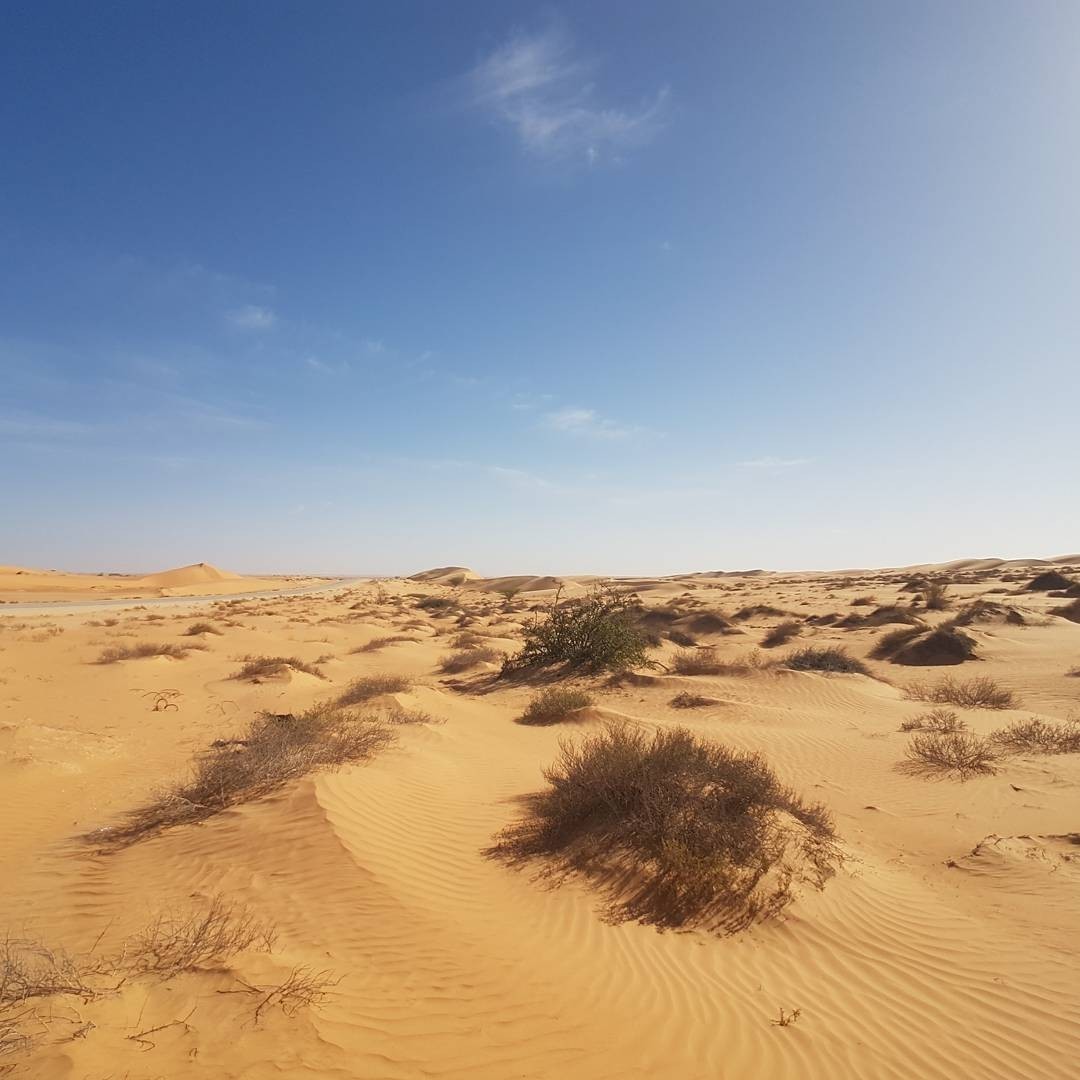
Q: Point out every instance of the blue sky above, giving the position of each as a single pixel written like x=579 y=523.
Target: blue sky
x=614 y=287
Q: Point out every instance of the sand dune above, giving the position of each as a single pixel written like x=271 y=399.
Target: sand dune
x=944 y=947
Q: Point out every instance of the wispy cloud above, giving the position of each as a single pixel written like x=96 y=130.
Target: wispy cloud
x=252 y=317
x=587 y=422
x=538 y=86
x=774 y=463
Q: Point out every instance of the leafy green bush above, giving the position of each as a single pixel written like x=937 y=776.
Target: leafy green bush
x=592 y=633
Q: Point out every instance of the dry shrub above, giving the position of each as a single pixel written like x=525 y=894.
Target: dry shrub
x=676 y=829
x=554 y=705
x=463 y=659
x=934 y=720
x=139 y=652
x=375 y=644
x=917 y=647
x=828 y=659
x=201 y=628
x=706 y=661
x=274 y=749
x=437 y=605
x=1036 y=736
x=1048 y=580
x=372 y=686
x=692 y=701
x=863 y=601
x=936 y=596
x=594 y=632
x=759 y=611
x=467 y=640
x=959 y=753
x=302 y=988
x=265 y=667
x=979 y=693
x=781 y=634
x=1069 y=611
x=186 y=941
x=682 y=639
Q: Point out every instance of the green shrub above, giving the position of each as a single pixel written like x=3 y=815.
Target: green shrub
x=595 y=632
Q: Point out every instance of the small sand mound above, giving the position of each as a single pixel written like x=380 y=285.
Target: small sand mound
x=937 y=648
x=1051 y=579
x=446 y=575
x=195 y=574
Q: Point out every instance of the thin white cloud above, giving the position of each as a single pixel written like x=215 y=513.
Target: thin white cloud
x=252 y=317
x=538 y=87
x=315 y=364
x=587 y=422
x=774 y=463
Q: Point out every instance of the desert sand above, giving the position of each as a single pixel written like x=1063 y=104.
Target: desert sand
x=19 y=584
x=946 y=945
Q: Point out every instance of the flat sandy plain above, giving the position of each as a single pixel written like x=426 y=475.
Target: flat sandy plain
x=946 y=946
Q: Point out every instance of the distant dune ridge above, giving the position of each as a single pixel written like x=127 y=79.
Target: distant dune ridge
x=198 y=579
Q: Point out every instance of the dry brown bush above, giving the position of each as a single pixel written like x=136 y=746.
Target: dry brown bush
x=781 y=634
x=381 y=642
x=981 y=693
x=691 y=701
x=372 y=686
x=273 y=749
x=675 y=829
x=1037 y=736
x=554 y=705
x=202 y=628
x=265 y=667
x=934 y=720
x=828 y=659
x=463 y=659
x=959 y=753
x=139 y=652
x=199 y=938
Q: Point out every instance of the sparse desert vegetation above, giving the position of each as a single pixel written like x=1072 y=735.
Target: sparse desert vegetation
x=826 y=659
x=554 y=705
x=781 y=634
x=266 y=667
x=362 y=690
x=957 y=753
x=470 y=657
x=115 y=653
x=703 y=828
x=271 y=750
x=981 y=693
x=593 y=633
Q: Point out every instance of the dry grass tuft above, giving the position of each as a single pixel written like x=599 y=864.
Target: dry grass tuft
x=274 y=749
x=706 y=661
x=828 y=659
x=935 y=596
x=375 y=644
x=463 y=659
x=958 y=753
x=202 y=628
x=1036 y=736
x=677 y=830
x=139 y=652
x=553 y=706
x=265 y=667
x=372 y=686
x=692 y=701
x=781 y=634
x=199 y=939
x=934 y=720
x=979 y=693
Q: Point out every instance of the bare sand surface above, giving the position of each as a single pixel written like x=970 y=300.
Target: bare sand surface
x=946 y=945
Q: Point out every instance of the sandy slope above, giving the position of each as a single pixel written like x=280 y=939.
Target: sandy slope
x=946 y=947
